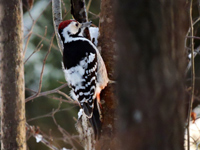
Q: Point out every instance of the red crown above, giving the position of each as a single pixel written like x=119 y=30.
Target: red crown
x=65 y=23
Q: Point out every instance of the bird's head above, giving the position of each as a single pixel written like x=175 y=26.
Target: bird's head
x=71 y=28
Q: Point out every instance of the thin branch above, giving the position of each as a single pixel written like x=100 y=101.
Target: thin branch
x=56 y=90
x=45 y=94
x=70 y=100
x=49 y=92
x=65 y=134
x=95 y=15
x=28 y=39
x=29 y=12
x=31 y=30
x=193 y=77
x=42 y=39
x=27 y=33
x=64 y=7
x=38 y=47
x=36 y=50
x=57 y=18
x=189 y=30
x=65 y=95
x=194 y=37
x=88 y=5
x=41 y=74
x=63 y=100
x=48 y=114
x=53 y=46
x=35 y=132
x=43 y=66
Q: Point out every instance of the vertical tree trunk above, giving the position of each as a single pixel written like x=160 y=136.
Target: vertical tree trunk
x=13 y=134
x=106 y=46
x=150 y=40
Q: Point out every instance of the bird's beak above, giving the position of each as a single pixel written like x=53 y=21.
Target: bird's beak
x=86 y=24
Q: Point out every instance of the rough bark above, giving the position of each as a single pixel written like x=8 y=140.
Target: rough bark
x=13 y=134
x=150 y=41
x=106 y=46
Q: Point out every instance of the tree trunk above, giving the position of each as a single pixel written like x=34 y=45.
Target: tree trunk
x=13 y=133
x=150 y=41
x=106 y=46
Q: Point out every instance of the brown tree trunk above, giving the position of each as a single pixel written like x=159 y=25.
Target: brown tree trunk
x=13 y=133
x=150 y=40
x=106 y=46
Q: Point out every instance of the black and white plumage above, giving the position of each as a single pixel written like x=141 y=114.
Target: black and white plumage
x=84 y=70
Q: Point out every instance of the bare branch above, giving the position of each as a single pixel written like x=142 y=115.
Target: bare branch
x=64 y=7
x=38 y=49
x=57 y=18
x=31 y=30
x=88 y=5
x=95 y=15
x=193 y=76
x=41 y=74
x=49 y=114
x=56 y=90
x=53 y=46
x=194 y=37
x=35 y=132
x=65 y=95
x=189 y=30
x=66 y=135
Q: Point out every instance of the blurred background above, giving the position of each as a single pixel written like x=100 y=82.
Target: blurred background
x=38 y=30
x=40 y=112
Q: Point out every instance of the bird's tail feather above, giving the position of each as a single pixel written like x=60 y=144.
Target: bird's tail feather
x=94 y=118
x=88 y=110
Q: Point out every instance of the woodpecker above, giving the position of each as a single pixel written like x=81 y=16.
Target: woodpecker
x=84 y=70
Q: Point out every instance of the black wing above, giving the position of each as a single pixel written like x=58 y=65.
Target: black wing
x=82 y=54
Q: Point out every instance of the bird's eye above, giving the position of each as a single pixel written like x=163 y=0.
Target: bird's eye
x=76 y=24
